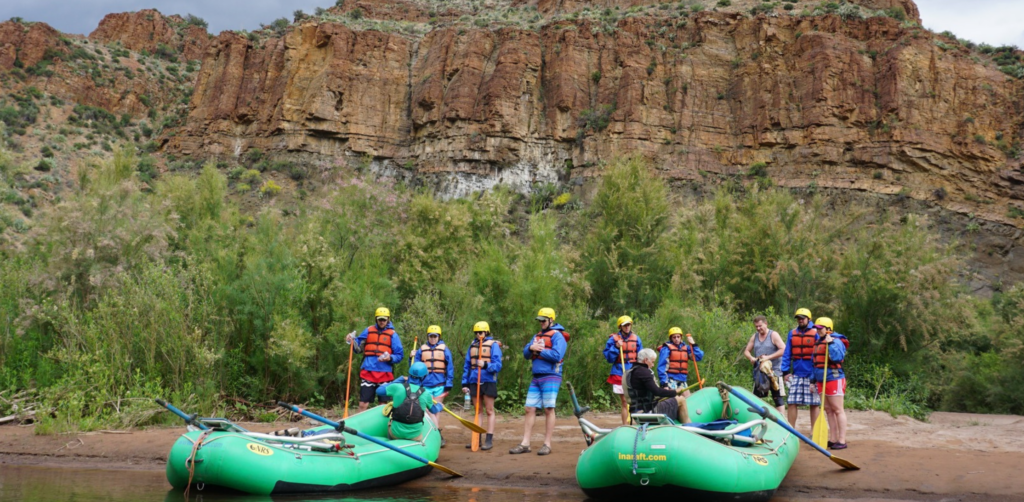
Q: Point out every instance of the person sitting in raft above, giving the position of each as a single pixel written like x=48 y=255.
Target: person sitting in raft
x=410 y=404
x=835 y=387
x=440 y=370
x=620 y=350
x=674 y=358
x=382 y=349
x=483 y=357
x=645 y=396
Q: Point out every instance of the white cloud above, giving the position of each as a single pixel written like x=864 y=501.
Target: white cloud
x=994 y=22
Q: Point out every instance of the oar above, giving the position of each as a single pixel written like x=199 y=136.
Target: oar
x=348 y=379
x=189 y=419
x=695 y=368
x=469 y=425
x=820 y=430
x=474 y=442
x=576 y=410
x=342 y=428
x=692 y=385
x=756 y=408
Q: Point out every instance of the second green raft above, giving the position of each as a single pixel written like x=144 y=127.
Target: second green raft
x=664 y=459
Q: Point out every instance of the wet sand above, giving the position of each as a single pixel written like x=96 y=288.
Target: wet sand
x=951 y=457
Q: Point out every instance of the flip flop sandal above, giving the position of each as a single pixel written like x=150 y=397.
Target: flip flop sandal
x=519 y=449
x=544 y=450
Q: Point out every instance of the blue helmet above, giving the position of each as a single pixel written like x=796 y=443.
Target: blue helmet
x=418 y=370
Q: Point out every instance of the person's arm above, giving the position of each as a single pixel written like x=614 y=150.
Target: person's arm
x=648 y=382
x=698 y=353
x=836 y=350
x=787 y=356
x=361 y=340
x=494 y=366
x=397 y=352
x=387 y=390
x=557 y=351
x=466 y=368
x=663 y=356
x=749 y=347
x=779 y=344
x=450 y=369
x=611 y=352
x=527 y=353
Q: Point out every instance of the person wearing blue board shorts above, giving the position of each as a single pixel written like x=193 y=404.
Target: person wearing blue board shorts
x=483 y=357
x=440 y=371
x=674 y=359
x=798 y=367
x=546 y=350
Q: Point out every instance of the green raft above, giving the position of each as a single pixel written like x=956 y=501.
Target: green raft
x=657 y=457
x=231 y=457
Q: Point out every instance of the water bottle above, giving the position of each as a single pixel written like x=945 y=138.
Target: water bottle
x=466 y=403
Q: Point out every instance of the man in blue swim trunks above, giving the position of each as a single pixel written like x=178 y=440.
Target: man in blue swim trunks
x=547 y=351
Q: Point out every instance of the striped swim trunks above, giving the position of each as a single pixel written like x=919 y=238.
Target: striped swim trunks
x=543 y=391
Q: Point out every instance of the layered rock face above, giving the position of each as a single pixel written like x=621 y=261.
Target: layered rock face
x=146 y=29
x=867 y=104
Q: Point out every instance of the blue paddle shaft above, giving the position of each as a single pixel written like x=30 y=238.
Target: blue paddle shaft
x=783 y=423
x=336 y=425
x=176 y=411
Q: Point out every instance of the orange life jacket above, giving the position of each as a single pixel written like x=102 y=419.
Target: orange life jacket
x=628 y=346
x=433 y=358
x=378 y=342
x=476 y=352
x=678 y=355
x=545 y=336
x=802 y=343
x=819 y=355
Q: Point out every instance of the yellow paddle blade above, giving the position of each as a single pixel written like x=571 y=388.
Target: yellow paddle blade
x=466 y=423
x=846 y=464
x=820 y=435
x=444 y=469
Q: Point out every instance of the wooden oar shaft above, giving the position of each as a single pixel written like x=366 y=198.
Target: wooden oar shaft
x=475 y=440
x=695 y=368
x=348 y=379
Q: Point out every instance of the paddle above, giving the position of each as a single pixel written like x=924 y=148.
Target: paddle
x=348 y=379
x=342 y=428
x=756 y=408
x=694 y=355
x=820 y=429
x=475 y=440
x=189 y=419
x=469 y=425
x=622 y=359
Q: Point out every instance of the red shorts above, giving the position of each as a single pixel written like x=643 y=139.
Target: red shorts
x=833 y=387
x=614 y=379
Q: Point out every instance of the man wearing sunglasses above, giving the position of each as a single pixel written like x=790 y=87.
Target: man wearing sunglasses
x=798 y=367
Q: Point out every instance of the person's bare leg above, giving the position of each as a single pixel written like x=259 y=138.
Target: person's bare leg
x=530 y=415
x=791 y=414
x=491 y=417
x=684 y=414
x=363 y=406
x=831 y=417
x=549 y=425
x=839 y=406
x=814 y=415
x=625 y=408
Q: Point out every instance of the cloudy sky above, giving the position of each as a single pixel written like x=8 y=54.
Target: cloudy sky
x=996 y=22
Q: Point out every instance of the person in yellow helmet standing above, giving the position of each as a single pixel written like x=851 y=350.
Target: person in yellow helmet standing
x=621 y=350
x=382 y=350
x=440 y=370
x=674 y=359
x=546 y=350
x=835 y=345
x=483 y=358
x=798 y=367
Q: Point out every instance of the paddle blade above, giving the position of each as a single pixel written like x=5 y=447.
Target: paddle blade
x=466 y=423
x=845 y=464
x=820 y=435
x=444 y=469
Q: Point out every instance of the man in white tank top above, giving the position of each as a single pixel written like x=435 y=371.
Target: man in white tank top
x=762 y=342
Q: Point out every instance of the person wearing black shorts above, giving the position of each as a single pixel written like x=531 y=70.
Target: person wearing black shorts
x=767 y=345
x=483 y=362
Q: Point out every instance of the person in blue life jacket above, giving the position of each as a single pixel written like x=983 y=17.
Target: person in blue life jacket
x=440 y=371
x=483 y=357
x=546 y=351
x=382 y=350
x=674 y=359
x=835 y=388
x=410 y=404
x=622 y=347
x=798 y=367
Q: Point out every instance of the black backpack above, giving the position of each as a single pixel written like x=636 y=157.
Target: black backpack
x=762 y=383
x=409 y=412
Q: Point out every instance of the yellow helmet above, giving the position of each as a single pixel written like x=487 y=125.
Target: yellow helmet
x=824 y=321
x=482 y=326
x=434 y=330
x=625 y=320
x=674 y=331
x=546 y=312
x=802 y=312
x=383 y=312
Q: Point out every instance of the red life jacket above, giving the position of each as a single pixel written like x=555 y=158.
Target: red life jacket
x=678 y=357
x=819 y=355
x=802 y=343
x=476 y=352
x=628 y=346
x=545 y=336
x=378 y=342
x=433 y=358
